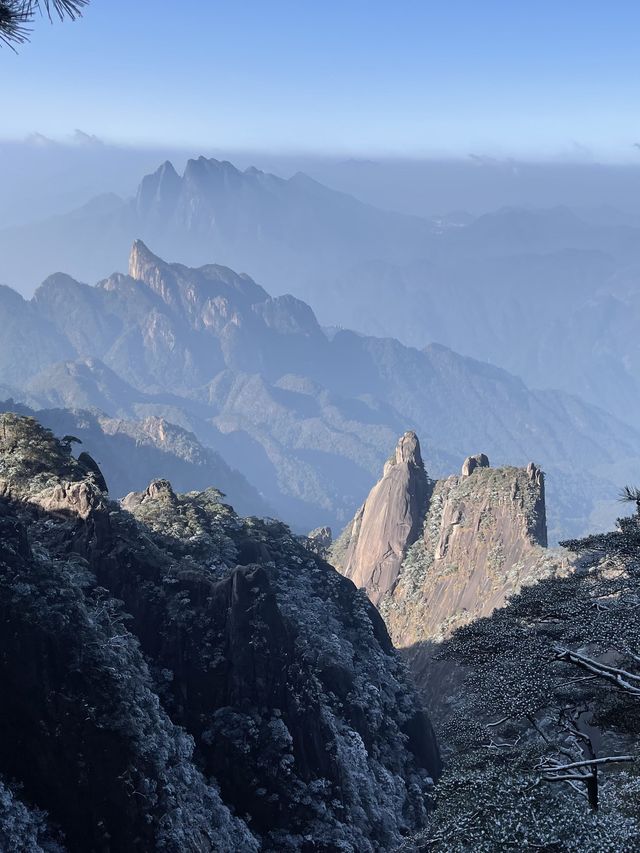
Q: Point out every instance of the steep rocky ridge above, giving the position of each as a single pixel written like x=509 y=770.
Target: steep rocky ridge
x=473 y=540
x=387 y=522
x=306 y=416
x=175 y=678
x=484 y=536
x=276 y=229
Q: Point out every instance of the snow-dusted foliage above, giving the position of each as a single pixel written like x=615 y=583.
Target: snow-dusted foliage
x=175 y=678
x=542 y=738
x=24 y=829
x=80 y=712
x=488 y=804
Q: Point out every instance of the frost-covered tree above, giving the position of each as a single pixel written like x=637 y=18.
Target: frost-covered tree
x=543 y=735
x=24 y=829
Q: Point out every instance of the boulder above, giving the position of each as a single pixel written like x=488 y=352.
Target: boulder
x=480 y=460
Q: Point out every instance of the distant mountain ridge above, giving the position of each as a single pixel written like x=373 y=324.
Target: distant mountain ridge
x=306 y=417
x=549 y=294
x=248 y=219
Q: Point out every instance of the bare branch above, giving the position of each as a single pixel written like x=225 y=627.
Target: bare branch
x=620 y=677
x=609 y=759
x=498 y=722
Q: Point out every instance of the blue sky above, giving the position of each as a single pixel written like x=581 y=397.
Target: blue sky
x=519 y=78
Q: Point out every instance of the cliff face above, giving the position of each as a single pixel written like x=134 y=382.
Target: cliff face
x=462 y=545
x=176 y=678
x=387 y=523
x=484 y=535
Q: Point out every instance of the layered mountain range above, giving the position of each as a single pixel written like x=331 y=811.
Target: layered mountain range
x=177 y=678
x=304 y=414
x=547 y=294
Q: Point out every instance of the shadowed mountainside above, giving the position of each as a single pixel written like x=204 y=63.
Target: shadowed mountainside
x=177 y=678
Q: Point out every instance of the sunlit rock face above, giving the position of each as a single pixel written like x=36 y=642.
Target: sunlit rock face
x=480 y=460
x=434 y=555
x=177 y=678
x=388 y=522
x=483 y=537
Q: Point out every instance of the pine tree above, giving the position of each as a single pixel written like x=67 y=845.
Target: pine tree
x=541 y=739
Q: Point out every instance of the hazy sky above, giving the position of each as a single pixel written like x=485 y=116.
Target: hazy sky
x=526 y=78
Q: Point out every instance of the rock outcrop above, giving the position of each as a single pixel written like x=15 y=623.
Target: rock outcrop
x=176 y=678
x=388 y=522
x=480 y=460
x=318 y=541
x=131 y=452
x=484 y=536
x=435 y=555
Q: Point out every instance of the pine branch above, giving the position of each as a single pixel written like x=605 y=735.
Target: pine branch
x=631 y=494
x=16 y=16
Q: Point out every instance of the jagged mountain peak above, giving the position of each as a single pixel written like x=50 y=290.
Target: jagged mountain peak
x=208 y=167
x=436 y=557
x=203 y=177
x=387 y=523
x=167 y=168
x=408 y=450
x=193 y=287
x=158 y=191
x=141 y=259
x=148 y=268
x=165 y=171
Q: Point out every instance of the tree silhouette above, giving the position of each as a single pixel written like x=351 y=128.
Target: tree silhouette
x=16 y=16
